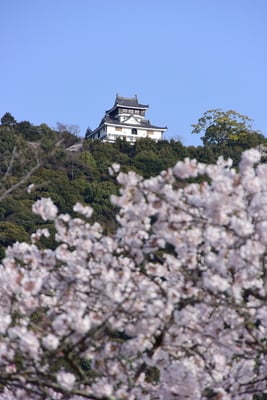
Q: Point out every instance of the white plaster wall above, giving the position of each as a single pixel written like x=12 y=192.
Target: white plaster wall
x=125 y=132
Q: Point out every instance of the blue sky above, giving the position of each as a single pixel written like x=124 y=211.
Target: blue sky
x=65 y=60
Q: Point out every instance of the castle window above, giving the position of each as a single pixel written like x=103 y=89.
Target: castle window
x=134 y=131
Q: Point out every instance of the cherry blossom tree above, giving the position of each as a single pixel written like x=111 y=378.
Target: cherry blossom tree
x=173 y=305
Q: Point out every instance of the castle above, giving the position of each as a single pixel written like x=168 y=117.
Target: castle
x=126 y=120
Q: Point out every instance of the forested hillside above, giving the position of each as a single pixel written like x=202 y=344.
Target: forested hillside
x=63 y=166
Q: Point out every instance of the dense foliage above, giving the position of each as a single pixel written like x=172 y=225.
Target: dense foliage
x=226 y=127
x=67 y=169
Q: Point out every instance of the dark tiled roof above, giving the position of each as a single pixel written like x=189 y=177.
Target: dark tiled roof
x=131 y=102
x=114 y=121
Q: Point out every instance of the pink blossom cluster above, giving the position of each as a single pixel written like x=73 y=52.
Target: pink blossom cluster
x=173 y=305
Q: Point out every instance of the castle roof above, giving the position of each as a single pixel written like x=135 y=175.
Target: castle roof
x=143 y=123
x=128 y=102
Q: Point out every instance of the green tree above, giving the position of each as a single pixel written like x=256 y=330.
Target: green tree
x=97 y=194
x=8 y=119
x=220 y=127
x=148 y=163
x=28 y=131
x=49 y=138
x=125 y=147
x=105 y=154
x=10 y=232
x=145 y=144
x=205 y=154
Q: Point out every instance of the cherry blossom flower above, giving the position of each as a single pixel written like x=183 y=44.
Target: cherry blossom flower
x=66 y=380
x=170 y=306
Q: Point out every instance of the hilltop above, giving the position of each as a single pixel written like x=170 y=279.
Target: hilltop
x=59 y=164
